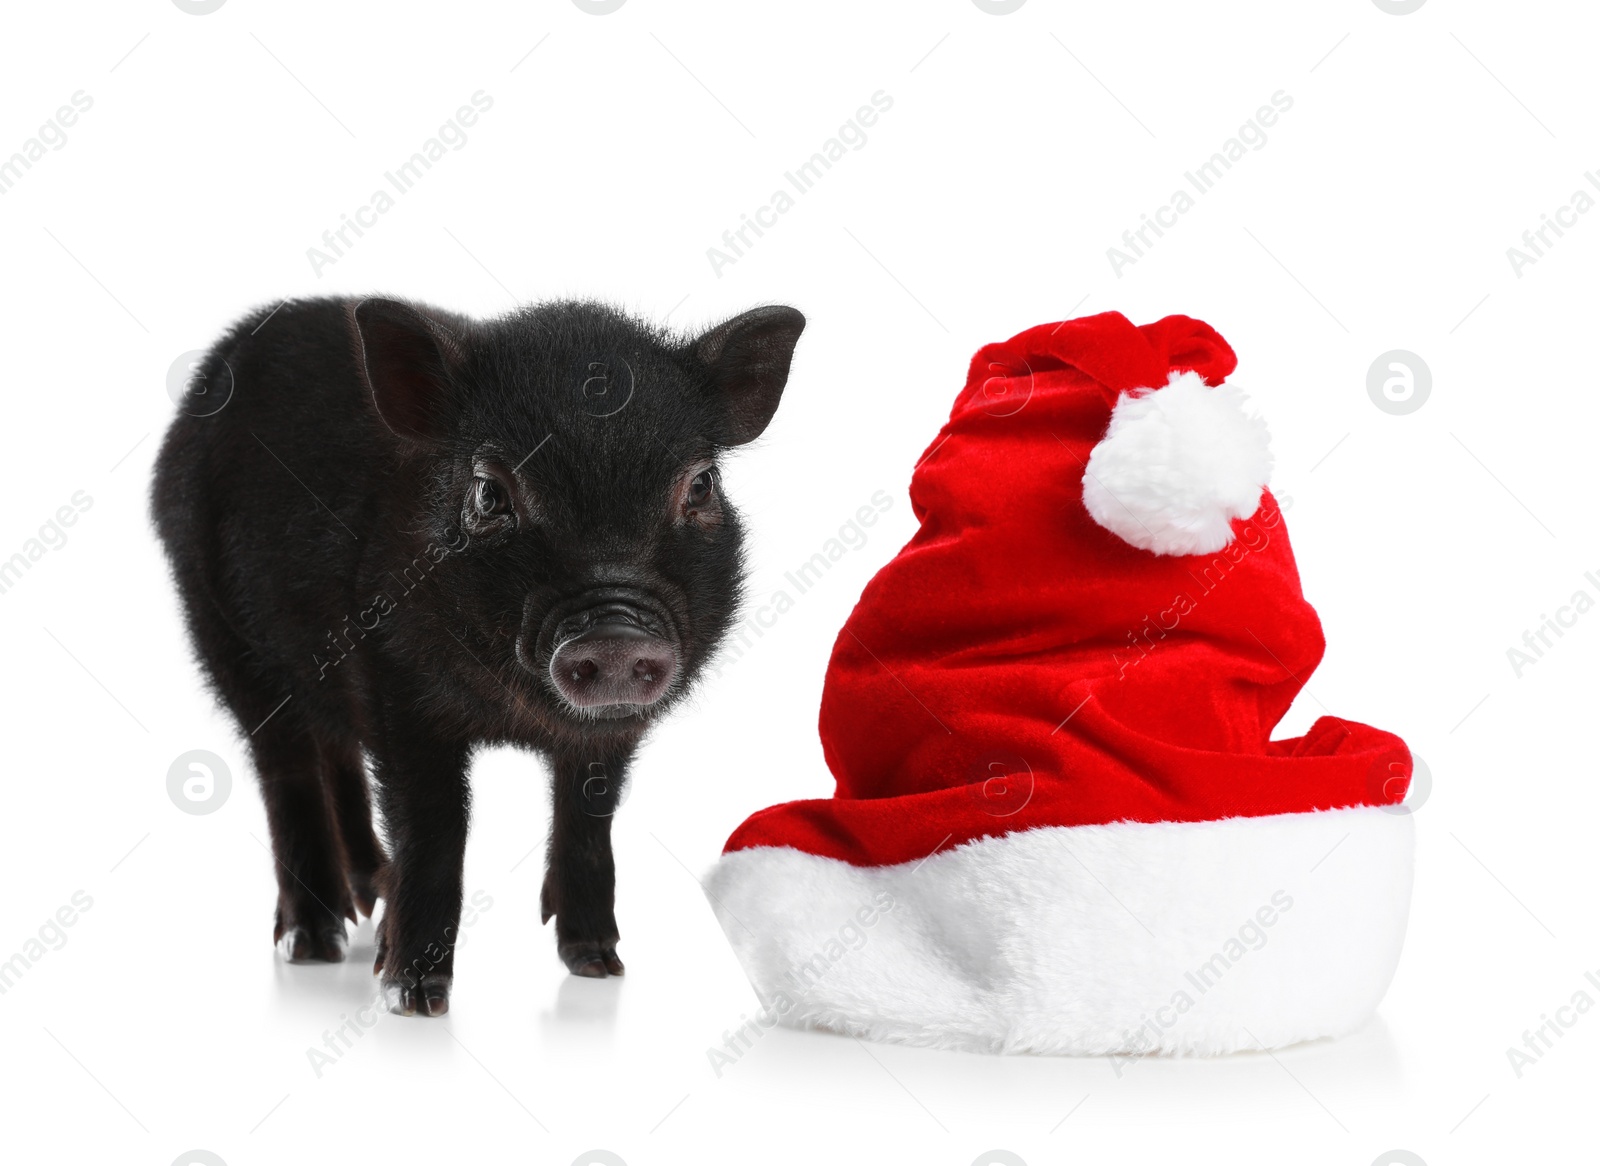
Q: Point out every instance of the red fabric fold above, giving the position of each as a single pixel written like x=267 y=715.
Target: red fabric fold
x=1016 y=665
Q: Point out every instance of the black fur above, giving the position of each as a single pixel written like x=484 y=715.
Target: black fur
x=381 y=541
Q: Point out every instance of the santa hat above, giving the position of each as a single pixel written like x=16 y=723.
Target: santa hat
x=1060 y=822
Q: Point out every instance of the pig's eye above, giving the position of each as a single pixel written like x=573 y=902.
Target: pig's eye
x=489 y=500
x=700 y=489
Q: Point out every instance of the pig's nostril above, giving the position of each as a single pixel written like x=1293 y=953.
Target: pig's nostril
x=585 y=670
x=645 y=669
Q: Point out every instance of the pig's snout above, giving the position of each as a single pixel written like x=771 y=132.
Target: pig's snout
x=614 y=662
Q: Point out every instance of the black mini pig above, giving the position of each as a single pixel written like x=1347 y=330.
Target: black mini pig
x=400 y=533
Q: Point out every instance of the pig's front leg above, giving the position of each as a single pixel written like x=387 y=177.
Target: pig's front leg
x=422 y=791
x=580 y=878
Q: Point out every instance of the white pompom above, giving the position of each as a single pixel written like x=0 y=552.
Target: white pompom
x=1176 y=466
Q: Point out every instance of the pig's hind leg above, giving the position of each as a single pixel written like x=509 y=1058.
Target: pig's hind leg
x=314 y=896
x=352 y=806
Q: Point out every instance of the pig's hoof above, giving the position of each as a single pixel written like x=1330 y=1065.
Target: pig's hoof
x=591 y=958
x=364 y=893
x=322 y=944
x=429 y=996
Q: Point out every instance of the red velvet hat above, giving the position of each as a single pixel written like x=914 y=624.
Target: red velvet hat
x=1060 y=821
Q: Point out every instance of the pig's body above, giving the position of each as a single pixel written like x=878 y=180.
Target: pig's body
x=407 y=533
x=269 y=508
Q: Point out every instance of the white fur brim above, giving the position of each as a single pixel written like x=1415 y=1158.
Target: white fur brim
x=1129 y=938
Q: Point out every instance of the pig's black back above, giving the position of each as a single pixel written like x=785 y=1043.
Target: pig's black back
x=267 y=506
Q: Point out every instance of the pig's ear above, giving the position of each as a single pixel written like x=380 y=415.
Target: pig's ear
x=748 y=359
x=404 y=356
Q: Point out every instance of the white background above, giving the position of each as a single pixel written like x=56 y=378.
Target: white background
x=618 y=149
